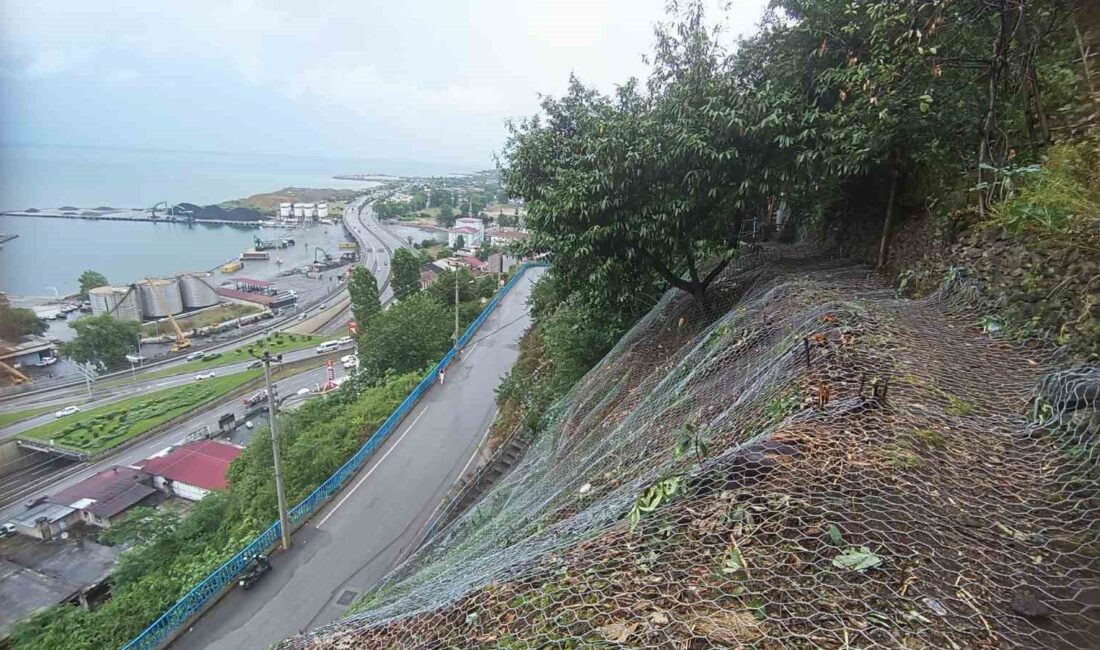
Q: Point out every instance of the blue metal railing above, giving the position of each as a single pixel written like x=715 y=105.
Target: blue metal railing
x=193 y=601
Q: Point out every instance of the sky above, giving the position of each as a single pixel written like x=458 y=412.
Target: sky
x=401 y=80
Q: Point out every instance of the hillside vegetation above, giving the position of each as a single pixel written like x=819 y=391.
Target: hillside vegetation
x=739 y=443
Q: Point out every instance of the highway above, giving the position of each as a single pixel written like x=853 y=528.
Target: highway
x=374 y=523
x=73 y=473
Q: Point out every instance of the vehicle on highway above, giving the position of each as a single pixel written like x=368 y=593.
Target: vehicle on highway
x=351 y=364
x=322 y=307
x=7 y=529
x=258 y=398
x=255 y=364
x=255 y=570
x=345 y=340
x=327 y=346
x=67 y=411
x=211 y=355
x=30 y=503
x=302 y=316
x=303 y=391
x=195 y=356
x=205 y=375
x=46 y=361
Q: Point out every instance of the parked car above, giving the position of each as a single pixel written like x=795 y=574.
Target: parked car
x=67 y=411
x=7 y=529
x=255 y=570
x=205 y=375
x=46 y=361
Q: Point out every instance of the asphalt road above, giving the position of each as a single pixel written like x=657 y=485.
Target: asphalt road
x=378 y=519
x=285 y=387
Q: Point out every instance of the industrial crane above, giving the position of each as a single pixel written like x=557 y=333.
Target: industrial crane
x=153 y=210
x=182 y=342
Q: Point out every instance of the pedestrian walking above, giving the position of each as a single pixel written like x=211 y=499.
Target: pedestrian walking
x=441 y=376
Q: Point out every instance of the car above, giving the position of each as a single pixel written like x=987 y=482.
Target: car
x=46 y=361
x=302 y=316
x=67 y=411
x=303 y=391
x=205 y=375
x=7 y=529
x=351 y=363
x=32 y=502
x=345 y=340
x=256 y=364
x=254 y=570
x=322 y=307
x=346 y=358
x=211 y=356
x=196 y=356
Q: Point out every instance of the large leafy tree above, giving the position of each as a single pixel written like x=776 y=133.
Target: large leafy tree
x=363 y=290
x=411 y=335
x=652 y=184
x=101 y=341
x=90 y=280
x=16 y=322
x=406 y=273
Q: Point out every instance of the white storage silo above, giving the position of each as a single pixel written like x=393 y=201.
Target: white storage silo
x=322 y=210
x=197 y=291
x=121 y=302
x=160 y=298
x=299 y=210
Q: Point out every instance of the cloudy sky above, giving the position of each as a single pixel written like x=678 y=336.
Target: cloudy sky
x=410 y=79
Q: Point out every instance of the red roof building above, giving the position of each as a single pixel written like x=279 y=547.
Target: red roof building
x=473 y=262
x=192 y=470
x=102 y=497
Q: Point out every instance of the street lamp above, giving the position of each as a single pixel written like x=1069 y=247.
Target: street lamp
x=284 y=522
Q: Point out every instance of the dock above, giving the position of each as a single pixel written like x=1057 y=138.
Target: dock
x=131 y=216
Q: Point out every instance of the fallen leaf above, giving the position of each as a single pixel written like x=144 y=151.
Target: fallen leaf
x=617 y=632
x=857 y=559
x=658 y=618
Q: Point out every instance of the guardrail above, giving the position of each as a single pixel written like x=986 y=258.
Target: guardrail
x=216 y=583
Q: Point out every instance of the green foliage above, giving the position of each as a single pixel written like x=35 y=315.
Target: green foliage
x=101 y=341
x=363 y=290
x=410 y=335
x=16 y=322
x=446 y=217
x=653 y=496
x=112 y=424
x=406 y=273
x=141 y=526
x=90 y=280
x=1062 y=197
x=460 y=242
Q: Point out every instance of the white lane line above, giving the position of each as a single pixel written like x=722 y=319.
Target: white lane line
x=371 y=470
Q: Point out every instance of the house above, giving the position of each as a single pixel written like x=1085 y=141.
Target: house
x=45 y=520
x=192 y=470
x=27 y=352
x=470 y=237
x=104 y=497
x=428 y=274
x=472 y=222
x=473 y=263
x=504 y=236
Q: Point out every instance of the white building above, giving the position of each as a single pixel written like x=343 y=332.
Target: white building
x=286 y=210
x=322 y=210
x=470 y=237
x=471 y=222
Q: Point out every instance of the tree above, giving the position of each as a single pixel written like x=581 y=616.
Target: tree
x=101 y=341
x=406 y=273
x=90 y=280
x=446 y=217
x=460 y=242
x=443 y=289
x=16 y=322
x=363 y=290
x=409 y=336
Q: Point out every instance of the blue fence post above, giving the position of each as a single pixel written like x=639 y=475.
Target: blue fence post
x=194 y=600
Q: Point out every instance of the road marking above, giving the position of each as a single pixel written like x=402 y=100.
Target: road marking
x=371 y=470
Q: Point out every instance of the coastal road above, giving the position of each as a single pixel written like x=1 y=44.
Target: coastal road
x=39 y=472
x=374 y=523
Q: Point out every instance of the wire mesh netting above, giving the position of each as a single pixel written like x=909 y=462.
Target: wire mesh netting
x=810 y=461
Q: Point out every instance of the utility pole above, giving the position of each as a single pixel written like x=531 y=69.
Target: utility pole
x=456 y=308
x=284 y=521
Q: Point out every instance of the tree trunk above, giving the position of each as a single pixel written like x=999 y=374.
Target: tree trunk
x=888 y=223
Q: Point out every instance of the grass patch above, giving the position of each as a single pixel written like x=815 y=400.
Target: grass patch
x=224 y=312
x=110 y=425
x=277 y=343
x=930 y=437
x=26 y=414
x=900 y=457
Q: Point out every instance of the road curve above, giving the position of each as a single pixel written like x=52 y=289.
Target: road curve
x=374 y=523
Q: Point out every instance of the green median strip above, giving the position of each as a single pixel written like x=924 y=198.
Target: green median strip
x=26 y=414
x=279 y=343
x=110 y=425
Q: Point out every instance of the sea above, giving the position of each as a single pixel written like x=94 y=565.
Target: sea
x=48 y=255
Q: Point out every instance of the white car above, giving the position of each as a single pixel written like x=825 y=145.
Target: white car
x=346 y=358
x=351 y=363
x=303 y=391
x=46 y=361
x=346 y=340
x=204 y=375
x=68 y=410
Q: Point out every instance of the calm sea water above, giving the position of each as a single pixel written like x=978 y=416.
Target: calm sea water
x=53 y=252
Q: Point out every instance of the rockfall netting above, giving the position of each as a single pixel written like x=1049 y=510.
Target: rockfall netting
x=810 y=461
